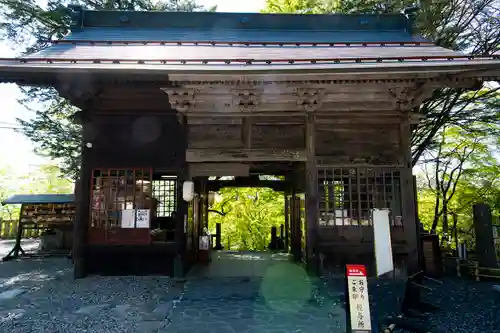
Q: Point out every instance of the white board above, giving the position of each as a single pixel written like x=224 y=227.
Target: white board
x=382 y=241
x=128 y=218
x=359 y=305
x=142 y=218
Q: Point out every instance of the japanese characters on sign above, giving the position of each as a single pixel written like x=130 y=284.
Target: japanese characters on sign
x=359 y=306
x=142 y=218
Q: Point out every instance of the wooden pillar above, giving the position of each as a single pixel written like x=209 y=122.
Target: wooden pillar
x=410 y=222
x=82 y=219
x=311 y=193
x=205 y=204
x=296 y=227
x=287 y=220
x=485 y=244
x=182 y=206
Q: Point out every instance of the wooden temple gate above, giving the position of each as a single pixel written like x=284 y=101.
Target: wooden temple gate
x=326 y=101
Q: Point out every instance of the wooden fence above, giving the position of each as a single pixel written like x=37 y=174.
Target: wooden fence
x=8 y=230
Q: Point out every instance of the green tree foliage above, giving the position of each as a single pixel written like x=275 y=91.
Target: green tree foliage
x=246 y=216
x=470 y=26
x=460 y=171
x=29 y=27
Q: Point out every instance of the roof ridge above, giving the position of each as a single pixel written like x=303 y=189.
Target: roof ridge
x=218 y=20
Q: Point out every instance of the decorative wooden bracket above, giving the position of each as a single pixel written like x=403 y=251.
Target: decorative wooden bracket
x=310 y=99
x=181 y=99
x=408 y=98
x=246 y=99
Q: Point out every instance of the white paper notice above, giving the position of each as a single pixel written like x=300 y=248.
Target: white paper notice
x=382 y=241
x=128 y=218
x=142 y=218
x=359 y=305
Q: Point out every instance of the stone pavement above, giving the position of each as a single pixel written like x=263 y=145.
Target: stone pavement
x=247 y=293
x=256 y=293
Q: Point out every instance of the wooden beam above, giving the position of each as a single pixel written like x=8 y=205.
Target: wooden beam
x=245 y=155
x=218 y=169
x=216 y=185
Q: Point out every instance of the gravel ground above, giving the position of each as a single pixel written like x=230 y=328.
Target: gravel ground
x=41 y=296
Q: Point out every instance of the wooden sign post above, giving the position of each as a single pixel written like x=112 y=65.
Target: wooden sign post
x=358 y=304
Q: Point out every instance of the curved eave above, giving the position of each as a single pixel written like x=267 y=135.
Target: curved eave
x=42 y=73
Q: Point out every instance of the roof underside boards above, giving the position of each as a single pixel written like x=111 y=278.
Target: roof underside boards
x=39 y=199
x=16 y=71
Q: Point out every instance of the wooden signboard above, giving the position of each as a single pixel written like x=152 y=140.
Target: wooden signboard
x=358 y=317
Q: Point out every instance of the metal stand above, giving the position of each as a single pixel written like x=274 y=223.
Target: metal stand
x=413 y=310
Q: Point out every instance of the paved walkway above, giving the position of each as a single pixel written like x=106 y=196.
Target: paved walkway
x=255 y=293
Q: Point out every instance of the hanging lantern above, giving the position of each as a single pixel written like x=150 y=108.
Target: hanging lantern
x=187 y=191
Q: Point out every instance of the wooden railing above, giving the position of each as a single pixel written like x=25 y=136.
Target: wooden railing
x=472 y=268
x=8 y=230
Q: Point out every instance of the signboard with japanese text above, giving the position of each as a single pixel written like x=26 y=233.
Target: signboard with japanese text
x=142 y=218
x=359 y=305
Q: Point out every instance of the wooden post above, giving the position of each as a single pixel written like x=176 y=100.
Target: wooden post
x=410 y=223
x=485 y=244
x=81 y=223
x=311 y=194
x=182 y=207
x=218 y=237
x=287 y=221
x=295 y=226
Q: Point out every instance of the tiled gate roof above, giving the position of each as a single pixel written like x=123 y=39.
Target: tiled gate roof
x=173 y=41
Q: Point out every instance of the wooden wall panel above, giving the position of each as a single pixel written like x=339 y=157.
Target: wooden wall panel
x=214 y=136
x=370 y=143
x=135 y=141
x=278 y=136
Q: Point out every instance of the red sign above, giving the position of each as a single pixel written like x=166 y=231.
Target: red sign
x=358 y=299
x=356 y=270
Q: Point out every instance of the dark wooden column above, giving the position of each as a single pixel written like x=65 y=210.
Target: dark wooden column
x=82 y=219
x=311 y=193
x=410 y=222
x=182 y=206
x=287 y=219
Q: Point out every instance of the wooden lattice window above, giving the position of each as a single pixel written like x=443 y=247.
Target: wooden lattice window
x=348 y=195
x=116 y=190
x=165 y=192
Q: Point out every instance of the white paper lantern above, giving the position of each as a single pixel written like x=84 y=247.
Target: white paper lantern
x=188 y=191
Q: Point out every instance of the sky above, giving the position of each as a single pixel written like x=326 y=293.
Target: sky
x=16 y=150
